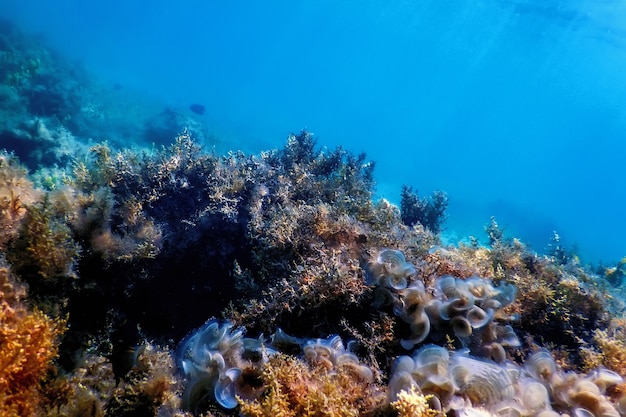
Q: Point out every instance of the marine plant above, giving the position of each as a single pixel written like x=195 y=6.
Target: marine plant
x=44 y=248
x=615 y=274
x=16 y=193
x=556 y=304
x=608 y=348
x=558 y=251
x=412 y=403
x=28 y=345
x=430 y=212
x=293 y=387
x=151 y=388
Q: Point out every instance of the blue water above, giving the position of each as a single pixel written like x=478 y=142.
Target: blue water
x=515 y=108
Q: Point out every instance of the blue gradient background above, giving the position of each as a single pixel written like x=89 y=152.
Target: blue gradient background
x=515 y=108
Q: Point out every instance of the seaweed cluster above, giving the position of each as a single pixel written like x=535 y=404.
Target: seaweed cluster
x=430 y=212
x=151 y=388
x=295 y=387
x=16 y=193
x=28 y=344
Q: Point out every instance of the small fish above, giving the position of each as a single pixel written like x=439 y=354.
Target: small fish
x=197 y=108
x=125 y=350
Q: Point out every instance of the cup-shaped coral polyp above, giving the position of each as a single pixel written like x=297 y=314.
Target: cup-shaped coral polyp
x=208 y=358
x=437 y=312
x=451 y=287
x=395 y=263
x=509 y=409
x=390 y=269
x=331 y=353
x=442 y=386
x=403 y=363
x=604 y=378
x=411 y=302
x=461 y=303
x=507 y=337
x=322 y=351
x=431 y=359
x=420 y=328
x=583 y=412
x=401 y=381
x=396 y=282
x=461 y=326
x=541 y=366
x=480 y=381
x=586 y=398
x=479 y=318
x=224 y=390
x=211 y=337
x=548 y=413
x=534 y=395
x=489 y=296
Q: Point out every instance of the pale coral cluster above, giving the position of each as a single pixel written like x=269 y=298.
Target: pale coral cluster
x=478 y=376
x=331 y=353
x=463 y=308
x=222 y=366
x=208 y=360
x=457 y=381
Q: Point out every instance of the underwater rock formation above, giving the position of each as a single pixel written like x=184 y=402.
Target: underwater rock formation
x=267 y=234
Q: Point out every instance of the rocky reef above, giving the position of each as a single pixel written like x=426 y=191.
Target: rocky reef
x=171 y=280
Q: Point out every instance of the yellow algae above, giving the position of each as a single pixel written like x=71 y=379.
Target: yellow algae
x=413 y=403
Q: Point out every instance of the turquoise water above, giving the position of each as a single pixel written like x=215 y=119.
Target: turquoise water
x=514 y=108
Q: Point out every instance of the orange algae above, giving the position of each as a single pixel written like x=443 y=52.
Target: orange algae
x=610 y=348
x=28 y=344
x=295 y=388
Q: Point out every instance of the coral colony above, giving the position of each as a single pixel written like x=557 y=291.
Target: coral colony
x=172 y=281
